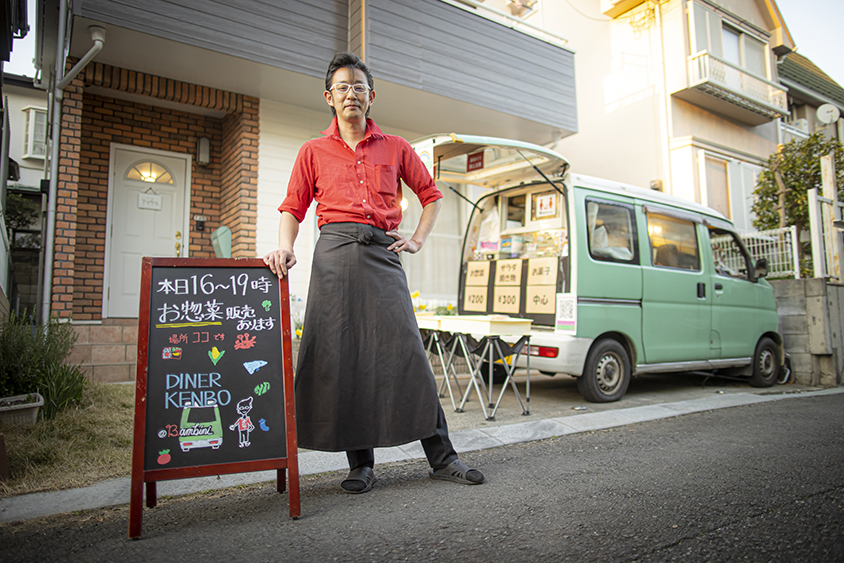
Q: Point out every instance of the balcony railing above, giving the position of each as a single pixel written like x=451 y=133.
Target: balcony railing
x=744 y=91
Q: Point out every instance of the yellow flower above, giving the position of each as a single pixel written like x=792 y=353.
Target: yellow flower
x=449 y=307
x=422 y=307
x=414 y=295
x=298 y=333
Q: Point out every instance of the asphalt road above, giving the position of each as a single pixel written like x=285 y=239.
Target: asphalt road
x=755 y=483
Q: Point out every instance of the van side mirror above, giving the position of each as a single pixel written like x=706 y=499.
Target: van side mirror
x=761 y=267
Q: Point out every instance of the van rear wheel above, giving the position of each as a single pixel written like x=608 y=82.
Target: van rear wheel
x=499 y=373
x=766 y=364
x=606 y=374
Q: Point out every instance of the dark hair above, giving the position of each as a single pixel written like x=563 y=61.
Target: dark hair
x=349 y=60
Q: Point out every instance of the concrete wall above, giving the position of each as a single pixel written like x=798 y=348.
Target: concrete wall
x=811 y=315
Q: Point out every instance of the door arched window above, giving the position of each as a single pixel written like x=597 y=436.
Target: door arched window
x=151 y=172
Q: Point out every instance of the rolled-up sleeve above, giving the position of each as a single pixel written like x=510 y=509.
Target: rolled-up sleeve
x=300 y=188
x=416 y=176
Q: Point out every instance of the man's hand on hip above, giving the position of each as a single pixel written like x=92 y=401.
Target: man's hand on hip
x=280 y=261
x=402 y=244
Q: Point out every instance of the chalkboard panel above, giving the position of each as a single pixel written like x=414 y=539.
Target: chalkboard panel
x=214 y=381
x=214 y=389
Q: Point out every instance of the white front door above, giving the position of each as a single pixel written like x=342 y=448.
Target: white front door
x=146 y=217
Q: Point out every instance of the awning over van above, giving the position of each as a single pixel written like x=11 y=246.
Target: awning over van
x=489 y=162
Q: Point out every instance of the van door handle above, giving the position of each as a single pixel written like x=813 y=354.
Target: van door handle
x=719 y=286
x=701 y=290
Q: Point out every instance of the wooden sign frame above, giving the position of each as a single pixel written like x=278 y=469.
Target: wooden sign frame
x=287 y=467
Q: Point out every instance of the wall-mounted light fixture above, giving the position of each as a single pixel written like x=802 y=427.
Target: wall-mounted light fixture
x=203 y=151
x=200 y=222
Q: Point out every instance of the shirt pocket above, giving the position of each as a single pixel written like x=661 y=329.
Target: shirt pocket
x=387 y=178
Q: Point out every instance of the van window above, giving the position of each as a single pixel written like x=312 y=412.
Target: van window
x=728 y=254
x=612 y=232
x=673 y=242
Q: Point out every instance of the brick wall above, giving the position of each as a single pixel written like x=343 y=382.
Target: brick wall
x=225 y=191
x=240 y=177
x=108 y=120
x=66 y=200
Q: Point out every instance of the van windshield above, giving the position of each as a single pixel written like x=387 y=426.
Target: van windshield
x=202 y=415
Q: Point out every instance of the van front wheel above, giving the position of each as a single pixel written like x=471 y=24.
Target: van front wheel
x=606 y=374
x=766 y=364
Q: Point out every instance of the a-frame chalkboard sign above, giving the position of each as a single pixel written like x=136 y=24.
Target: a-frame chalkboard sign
x=214 y=391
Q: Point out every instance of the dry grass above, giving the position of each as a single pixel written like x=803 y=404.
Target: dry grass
x=78 y=448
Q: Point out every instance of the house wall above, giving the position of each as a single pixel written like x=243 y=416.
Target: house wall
x=4 y=303
x=435 y=47
x=31 y=169
x=284 y=129
x=225 y=190
x=429 y=46
x=107 y=120
x=293 y=35
x=631 y=127
x=620 y=112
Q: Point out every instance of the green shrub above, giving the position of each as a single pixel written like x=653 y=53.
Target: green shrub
x=32 y=359
x=61 y=385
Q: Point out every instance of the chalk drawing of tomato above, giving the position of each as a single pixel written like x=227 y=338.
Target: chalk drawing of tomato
x=163 y=457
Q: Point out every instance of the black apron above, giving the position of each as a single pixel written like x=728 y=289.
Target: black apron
x=362 y=379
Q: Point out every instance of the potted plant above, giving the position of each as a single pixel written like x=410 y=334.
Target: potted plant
x=20 y=409
x=33 y=375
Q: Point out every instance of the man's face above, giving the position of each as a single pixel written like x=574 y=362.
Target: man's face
x=349 y=106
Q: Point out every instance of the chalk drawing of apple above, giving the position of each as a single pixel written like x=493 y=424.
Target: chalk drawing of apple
x=163 y=457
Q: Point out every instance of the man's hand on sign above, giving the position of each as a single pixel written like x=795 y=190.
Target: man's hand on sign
x=402 y=244
x=280 y=261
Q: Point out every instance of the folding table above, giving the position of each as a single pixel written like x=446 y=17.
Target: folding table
x=491 y=328
x=434 y=345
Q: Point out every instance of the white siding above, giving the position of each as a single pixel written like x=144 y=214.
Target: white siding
x=284 y=129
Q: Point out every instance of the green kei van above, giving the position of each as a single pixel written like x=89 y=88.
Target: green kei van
x=618 y=280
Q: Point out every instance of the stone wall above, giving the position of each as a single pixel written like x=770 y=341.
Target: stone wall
x=811 y=313
x=107 y=352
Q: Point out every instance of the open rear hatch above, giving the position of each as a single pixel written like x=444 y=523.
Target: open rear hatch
x=515 y=257
x=489 y=162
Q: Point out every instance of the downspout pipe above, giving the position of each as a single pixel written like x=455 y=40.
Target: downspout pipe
x=98 y=35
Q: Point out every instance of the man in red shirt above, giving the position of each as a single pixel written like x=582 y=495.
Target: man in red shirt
x=363 y=380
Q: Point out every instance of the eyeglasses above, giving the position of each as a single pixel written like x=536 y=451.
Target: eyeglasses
x=343 y=88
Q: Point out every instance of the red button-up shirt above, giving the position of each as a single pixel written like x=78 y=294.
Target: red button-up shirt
x=360 y=186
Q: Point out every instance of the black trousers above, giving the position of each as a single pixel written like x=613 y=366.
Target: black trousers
x=438 y=448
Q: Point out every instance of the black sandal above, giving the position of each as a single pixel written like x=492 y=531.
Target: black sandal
x=458 y=472
x=360 y=480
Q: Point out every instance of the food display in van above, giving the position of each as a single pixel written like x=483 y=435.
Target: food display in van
x=617 y=280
